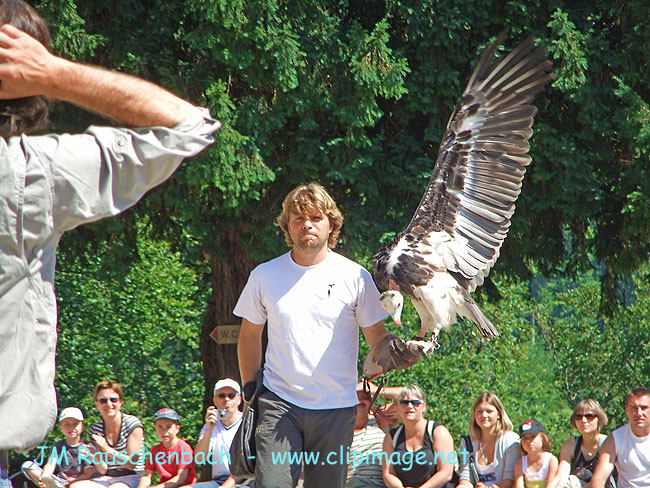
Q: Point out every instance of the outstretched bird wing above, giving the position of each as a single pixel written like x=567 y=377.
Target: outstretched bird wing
x=466 y=209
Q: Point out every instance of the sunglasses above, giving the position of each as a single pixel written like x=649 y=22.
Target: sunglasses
x=105 y=400
x=414 y=402
x=588 y=416
x=229 y=395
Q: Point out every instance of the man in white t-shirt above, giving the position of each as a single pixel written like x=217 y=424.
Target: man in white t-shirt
x=313 y=300
x=628 y=447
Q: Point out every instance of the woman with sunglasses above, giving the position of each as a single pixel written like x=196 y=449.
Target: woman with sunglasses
x=417 y=453
x=221 y=423
x=579 y=455
x=487 y=456
x=116 y=441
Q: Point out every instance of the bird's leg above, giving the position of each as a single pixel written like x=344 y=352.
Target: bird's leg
x=420 y=339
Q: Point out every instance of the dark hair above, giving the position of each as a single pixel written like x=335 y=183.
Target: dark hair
x=23 y=115
x=637 y=392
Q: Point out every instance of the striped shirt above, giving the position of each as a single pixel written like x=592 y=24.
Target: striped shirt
x=367 y=445
x=129 y=424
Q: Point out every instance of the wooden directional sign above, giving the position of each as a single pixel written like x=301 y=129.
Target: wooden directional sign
x=226 y=334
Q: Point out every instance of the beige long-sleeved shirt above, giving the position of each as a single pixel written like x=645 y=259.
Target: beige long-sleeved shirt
x=50 y=184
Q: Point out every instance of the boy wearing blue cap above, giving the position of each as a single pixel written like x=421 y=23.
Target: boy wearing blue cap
x=173 y=458
x=69 y=459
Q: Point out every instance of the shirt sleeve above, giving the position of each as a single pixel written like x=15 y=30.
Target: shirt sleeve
x=512 y=453
x=369 y=310
x=250 y=305
x=463 y=461
x=106 y=170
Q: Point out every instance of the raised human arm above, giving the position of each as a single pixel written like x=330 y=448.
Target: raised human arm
x=605 y=465
x=203 y=446
x=375 y=333
x=27 y=69
x=249 y=349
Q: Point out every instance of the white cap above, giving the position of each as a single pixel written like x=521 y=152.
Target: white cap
x=227 y=383
x=71 y=413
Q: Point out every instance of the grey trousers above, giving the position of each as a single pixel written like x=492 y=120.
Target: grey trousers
x=288 y=437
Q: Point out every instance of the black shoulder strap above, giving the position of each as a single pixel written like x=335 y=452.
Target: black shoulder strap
x=470 y=447
x=576 y=450
x=395 y=434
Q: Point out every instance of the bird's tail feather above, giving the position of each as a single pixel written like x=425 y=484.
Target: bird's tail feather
x=475 y=314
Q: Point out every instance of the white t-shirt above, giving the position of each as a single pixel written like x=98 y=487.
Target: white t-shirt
x=313 y=314
x=220 y=441
x=632 y=458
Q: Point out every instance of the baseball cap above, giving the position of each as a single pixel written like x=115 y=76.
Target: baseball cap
x=166 y=413
x=227 y=383
x=71 y=413
x=531 y=427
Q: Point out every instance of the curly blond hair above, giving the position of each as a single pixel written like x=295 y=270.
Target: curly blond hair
x=310 y=199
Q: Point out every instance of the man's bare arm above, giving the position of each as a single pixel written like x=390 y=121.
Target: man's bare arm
x=249 y=349
x=28 y=69
x=375 y=333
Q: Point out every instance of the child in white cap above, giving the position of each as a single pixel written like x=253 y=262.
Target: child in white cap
x=69 y=460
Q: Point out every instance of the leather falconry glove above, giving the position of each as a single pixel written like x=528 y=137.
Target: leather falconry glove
x=391 y=353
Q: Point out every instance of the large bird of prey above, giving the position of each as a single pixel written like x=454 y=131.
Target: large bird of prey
x=456 y=233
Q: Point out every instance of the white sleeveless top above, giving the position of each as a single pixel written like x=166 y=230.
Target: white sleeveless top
x=632 y=458
x=535 y=479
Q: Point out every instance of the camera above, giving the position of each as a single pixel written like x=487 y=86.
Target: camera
x=221 y=413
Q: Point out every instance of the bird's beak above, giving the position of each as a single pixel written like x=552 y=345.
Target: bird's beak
x=397 y=317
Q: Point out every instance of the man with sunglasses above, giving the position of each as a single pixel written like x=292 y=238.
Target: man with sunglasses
x=628 y=447
x=221 y=423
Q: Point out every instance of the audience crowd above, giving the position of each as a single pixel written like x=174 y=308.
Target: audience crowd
x=394 y=446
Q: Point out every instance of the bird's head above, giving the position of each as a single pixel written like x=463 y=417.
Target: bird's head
x=392 y=302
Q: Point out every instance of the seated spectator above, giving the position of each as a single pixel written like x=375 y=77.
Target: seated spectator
x=173 y=458
x=116 y=442
x=579 y=455
x=221 y=423
x=65 y=463
x=627 y=448
x=364 y=465
x=492 y=446
x=537 y=466
x=409 y=459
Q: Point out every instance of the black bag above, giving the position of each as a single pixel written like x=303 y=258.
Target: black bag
x=242 y=449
